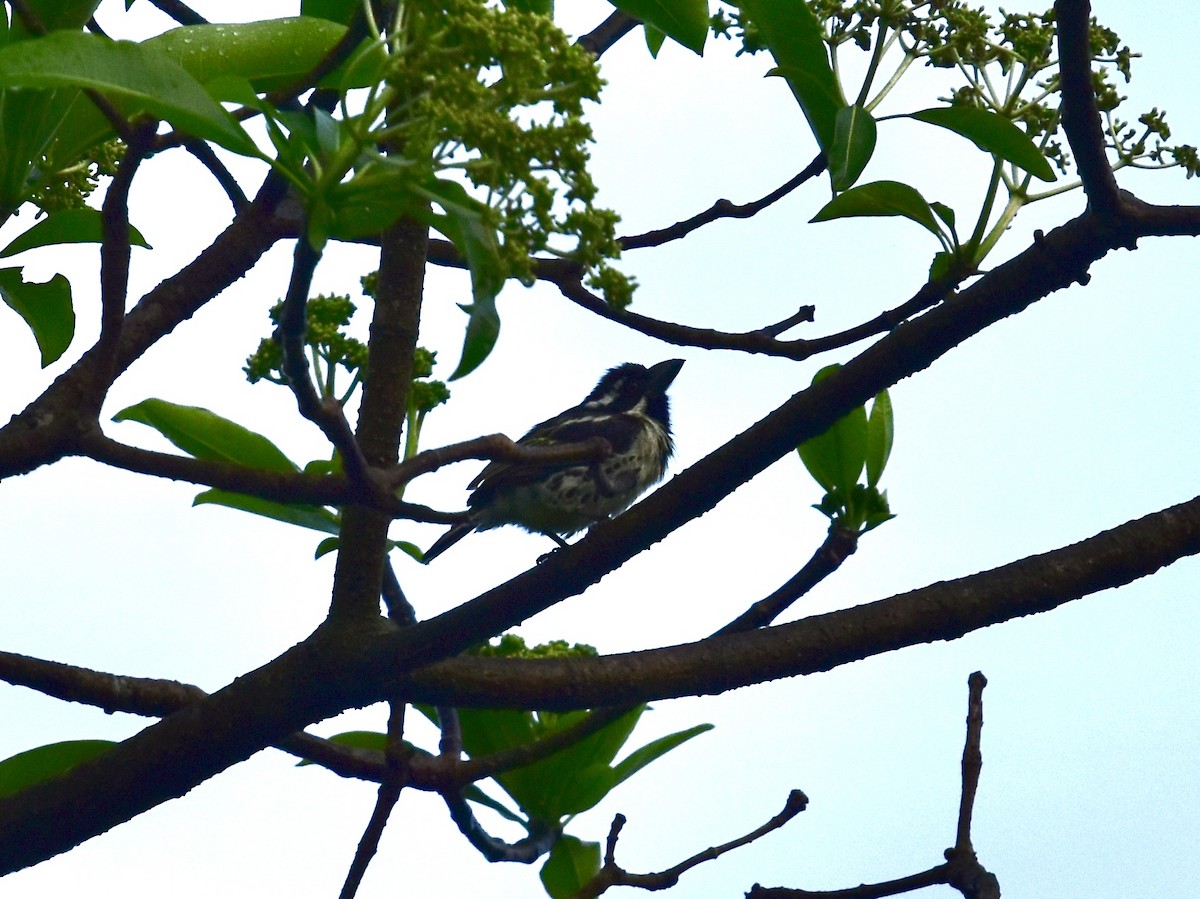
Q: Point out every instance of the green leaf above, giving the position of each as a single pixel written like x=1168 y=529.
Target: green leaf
x=35 y=765
x=853 y=144
x=836 y=458
x=270 y=54
x=942 y=265
x=29 y=122
x=654 y=39
x=55 y=15
x=561 y=784
x=945 y=213
x=136 y=78
x=67 y=226
x=656 y=749
x=466 y=225
x=333 y=10
x=355 y=739
x=880 y=198
x=792 y=32
x=992 y=133
x=315 y=518
x=206 y=435
x=46 y=308
x=324 y=548
x=880 y=434
x=685 y=21
x=572 y=863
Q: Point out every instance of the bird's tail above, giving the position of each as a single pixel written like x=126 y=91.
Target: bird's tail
x=446 y=541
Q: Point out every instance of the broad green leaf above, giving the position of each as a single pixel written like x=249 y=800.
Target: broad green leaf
x=880 y=198
x=333 y=10
x=571 y=864
x=792 y=32
x=67 y=226
x=35 y=765
x=836 y=458
x=853 y=144
x=206 y=435
x=992 y=133
x=686 y=21
x=315 y=518
x=269 y=54
x=325 y=547
x=46 y=308
x=880 y=434
x=136 y=78
x=555 y=786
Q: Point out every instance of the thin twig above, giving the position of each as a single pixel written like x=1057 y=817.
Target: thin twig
x=204 y=153
x=838 y=545
x=180 y=12
x=385 y=802
x=611 y=874
x=293 y=322
x=723 y=209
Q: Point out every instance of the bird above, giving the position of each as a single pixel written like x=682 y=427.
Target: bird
x=628 y=408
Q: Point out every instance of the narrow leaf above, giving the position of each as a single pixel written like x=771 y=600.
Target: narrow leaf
x=880 y=198
x=46 y=308
x=315 y=518
x=880 y=434
x=206 y=435
x=67 y=226
x=992 y=133
x=656 y=749
x=686 y=21
x=853 y=144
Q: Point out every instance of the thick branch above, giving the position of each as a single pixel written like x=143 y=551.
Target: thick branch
x=358 y=576
x=942 y=611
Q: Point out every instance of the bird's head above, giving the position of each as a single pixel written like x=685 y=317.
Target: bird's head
x=635 y=388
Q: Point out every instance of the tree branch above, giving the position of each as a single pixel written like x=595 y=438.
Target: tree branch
x=611 y=874
x=1080 y=114
x=942 y=611
x=601 y=38
x=723 y=209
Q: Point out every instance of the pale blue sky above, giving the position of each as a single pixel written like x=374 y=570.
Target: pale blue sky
x=1069 y=419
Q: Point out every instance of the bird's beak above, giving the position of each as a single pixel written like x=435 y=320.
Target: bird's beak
x=663 y=374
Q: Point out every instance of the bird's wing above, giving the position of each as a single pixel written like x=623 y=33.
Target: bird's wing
x=571 y=427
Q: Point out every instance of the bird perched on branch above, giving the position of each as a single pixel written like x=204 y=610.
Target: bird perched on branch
x=629 y=409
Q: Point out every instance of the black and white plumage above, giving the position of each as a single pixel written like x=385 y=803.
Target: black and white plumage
x=629 y=409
